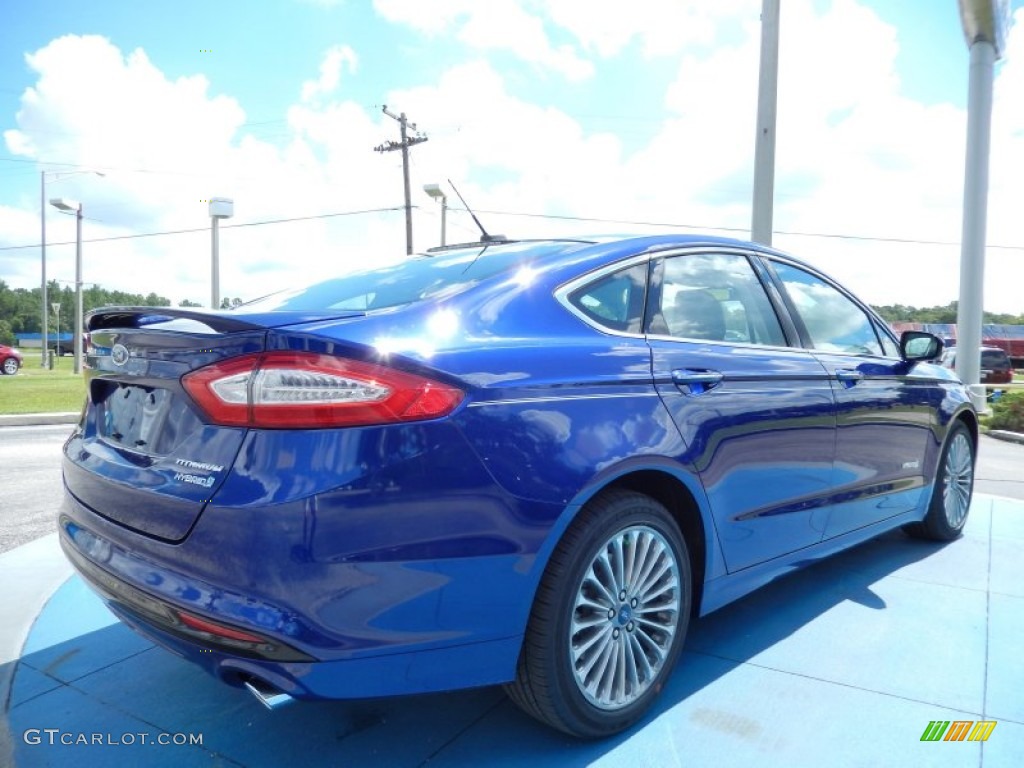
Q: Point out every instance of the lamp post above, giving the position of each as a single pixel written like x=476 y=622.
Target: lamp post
x=56 y=314
x=42 y=217
x=435 y=191
x=985 y=23
x=220 y=208
x=73 y=206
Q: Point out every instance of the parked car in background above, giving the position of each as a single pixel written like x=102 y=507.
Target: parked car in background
x=10 y=360
x=995 y=365
x=523 y=463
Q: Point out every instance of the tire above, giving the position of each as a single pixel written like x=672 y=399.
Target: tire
x=10 y=366
x=569 y=676
x=954 y=486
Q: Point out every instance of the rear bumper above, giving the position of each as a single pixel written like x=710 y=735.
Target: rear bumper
x=335 y=627
x=997 y=377
x=433 y=671
x=300 y=676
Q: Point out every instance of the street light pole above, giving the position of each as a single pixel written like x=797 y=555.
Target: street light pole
x=73 y=206
x=56 y=314
x=985 y=23
x=220 y=208
x=79 y=320
x=435 y=191
x=42 y=216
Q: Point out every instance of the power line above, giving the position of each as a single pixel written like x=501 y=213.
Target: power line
x=207 y=229
x=706 y=227
x=524 y=214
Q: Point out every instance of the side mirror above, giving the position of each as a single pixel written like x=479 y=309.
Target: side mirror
x=916 y=346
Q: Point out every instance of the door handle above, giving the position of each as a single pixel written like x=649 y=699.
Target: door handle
x=696 y=382
x=848 y=377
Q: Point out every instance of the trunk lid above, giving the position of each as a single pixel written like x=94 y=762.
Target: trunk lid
x=142 y=455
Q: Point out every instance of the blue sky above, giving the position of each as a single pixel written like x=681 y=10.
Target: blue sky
x=558 y=108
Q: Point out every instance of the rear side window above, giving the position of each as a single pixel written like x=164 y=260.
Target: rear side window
x=713 y=297
x=615 y=301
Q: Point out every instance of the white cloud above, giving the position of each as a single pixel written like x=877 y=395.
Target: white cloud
x=855 y=155
x=663 y=27
x=497 y=25
x=166 y=147
x=337 y=58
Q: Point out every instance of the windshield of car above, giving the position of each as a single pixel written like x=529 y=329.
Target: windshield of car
x=415 y=278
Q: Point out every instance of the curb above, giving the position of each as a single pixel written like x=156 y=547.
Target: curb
x=1010 y=437
x=38 y=419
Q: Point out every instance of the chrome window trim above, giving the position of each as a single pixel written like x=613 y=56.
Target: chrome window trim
x=877 y=320
x=562 y=294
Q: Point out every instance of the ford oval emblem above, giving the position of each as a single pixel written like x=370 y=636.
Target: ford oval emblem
x=119 y=354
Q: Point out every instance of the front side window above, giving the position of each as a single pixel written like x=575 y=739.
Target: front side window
x=714 y=297
x=888 y=345
x=832 y=320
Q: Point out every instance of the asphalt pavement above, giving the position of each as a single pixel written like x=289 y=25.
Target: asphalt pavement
x=30 y=482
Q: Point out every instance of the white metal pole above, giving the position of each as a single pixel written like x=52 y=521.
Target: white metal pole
x=764 y=146
x=42 y=214
x=78 y=293
x=444 y=218
x=972 y=253
x=215 y=265
x=56 y=312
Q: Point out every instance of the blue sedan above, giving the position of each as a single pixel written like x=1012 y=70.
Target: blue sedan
x=526 y=463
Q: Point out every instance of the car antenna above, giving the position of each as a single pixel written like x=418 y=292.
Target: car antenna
x=484 y=237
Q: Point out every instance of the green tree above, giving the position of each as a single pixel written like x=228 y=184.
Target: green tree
x=6 y=334
x=901 y=313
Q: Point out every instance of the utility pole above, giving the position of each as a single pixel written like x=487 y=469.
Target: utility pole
x=764 y=147
x=406 y=142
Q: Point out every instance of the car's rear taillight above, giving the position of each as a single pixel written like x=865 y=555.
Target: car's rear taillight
x=306 y=390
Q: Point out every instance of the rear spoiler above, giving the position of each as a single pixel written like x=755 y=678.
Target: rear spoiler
x=139 y=317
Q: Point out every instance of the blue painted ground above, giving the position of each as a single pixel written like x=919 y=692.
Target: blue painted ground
x=844 y=663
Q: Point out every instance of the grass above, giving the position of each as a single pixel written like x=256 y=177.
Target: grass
x=39 y=390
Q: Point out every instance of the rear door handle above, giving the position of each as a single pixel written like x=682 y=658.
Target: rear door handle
x=696 y=382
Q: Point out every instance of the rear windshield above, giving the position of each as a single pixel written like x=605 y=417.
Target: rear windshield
x=994 y=359
x=430 y=276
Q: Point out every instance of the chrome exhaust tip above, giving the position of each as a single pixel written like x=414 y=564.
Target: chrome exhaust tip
x=270 y=697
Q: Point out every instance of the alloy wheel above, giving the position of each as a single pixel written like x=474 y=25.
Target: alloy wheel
x=958 y=476
x=625 y=617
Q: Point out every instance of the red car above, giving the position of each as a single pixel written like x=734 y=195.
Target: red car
x=995 y=365
x=10 y=360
